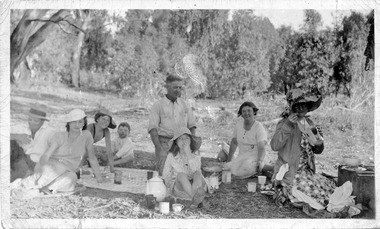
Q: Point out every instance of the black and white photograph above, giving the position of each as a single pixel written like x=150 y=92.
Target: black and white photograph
x=188 y=114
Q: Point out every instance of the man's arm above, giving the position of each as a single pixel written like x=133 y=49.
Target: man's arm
x=233 y=146
x=23 y=139
x=154 y=136
x=191 y=120
x=108 y=149
x=192 y=130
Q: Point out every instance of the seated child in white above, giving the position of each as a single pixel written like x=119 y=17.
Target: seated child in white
x=122 y=145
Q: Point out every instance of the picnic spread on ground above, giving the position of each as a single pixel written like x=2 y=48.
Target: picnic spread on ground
x=64 y=163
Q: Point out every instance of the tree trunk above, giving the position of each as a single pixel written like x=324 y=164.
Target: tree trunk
x=28 y=34
x=84 y=16
x=25 y=73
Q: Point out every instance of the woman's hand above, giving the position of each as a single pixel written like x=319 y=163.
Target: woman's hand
x=226 y=166
x=293 y=118
x=38 y=168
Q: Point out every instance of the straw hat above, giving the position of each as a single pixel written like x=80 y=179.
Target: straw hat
x=105 y=112
x=195 y=142
x=38 y=111
x=312 y=99
x=75 y=115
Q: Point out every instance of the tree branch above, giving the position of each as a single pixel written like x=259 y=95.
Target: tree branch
x=65 y=30
x=358 y=105
x=58 y=21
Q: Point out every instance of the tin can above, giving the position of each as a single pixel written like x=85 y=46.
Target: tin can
x=228 y=176
x=118 y=177
x=224 y=176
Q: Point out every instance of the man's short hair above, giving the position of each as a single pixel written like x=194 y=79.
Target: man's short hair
x=172 y=78
x=124 y=124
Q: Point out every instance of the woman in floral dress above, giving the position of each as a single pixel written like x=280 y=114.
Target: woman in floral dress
x=297 y=139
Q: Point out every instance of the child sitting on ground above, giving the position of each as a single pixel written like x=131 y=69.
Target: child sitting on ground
x=122 y=145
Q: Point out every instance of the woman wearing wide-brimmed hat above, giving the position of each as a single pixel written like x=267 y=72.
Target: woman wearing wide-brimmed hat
x=55 y=172
x=297 y=139
x=100 y=130
x=182 y=169
x=250 y=136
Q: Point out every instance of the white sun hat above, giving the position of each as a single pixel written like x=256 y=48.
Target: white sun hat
x=75 y=115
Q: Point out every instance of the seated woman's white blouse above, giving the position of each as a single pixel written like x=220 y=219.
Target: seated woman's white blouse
x=247 y=140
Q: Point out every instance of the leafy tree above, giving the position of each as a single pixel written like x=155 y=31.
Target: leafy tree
x=276 y=54
x=351 y=41
x=32 y=30
x=312 y=21
x=133 y=59
x=98 y=38
x=307 y=61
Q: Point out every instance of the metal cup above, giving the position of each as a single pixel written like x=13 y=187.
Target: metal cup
x=118 y=177
x=150 y=201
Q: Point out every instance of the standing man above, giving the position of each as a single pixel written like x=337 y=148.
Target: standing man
x=27 y=148
x=166 y=115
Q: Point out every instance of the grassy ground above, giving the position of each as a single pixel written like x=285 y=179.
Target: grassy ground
x=345 y=132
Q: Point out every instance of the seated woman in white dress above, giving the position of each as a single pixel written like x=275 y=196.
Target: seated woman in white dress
x=55 y=172
x=250 y=136
x=182 y=169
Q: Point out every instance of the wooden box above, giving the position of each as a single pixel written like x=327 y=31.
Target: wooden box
x=363 y=182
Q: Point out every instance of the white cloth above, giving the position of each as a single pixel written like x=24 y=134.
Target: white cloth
x=341 y=198
x=281 y=172
x=40 y=143
x=167 y=116
x=122 y=147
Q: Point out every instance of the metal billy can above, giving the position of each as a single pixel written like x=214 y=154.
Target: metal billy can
x=226 y=176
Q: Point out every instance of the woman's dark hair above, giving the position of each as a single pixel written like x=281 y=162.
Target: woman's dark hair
x=99 y=114
x=248 y=104
x=84 y=126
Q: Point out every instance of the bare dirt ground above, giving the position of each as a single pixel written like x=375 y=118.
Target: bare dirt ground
x=214 y=126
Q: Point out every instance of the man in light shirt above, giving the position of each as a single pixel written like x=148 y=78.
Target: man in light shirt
x=166 y=115
x=27 y=148
x=122 y=146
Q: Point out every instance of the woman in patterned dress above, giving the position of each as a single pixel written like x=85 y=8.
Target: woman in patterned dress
x=297 y=139
x=182 y=169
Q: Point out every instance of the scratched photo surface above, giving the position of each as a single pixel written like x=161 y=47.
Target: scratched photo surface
x=283 y=96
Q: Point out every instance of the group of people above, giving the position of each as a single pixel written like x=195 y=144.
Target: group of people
x=48 y=160
x=172 y=128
